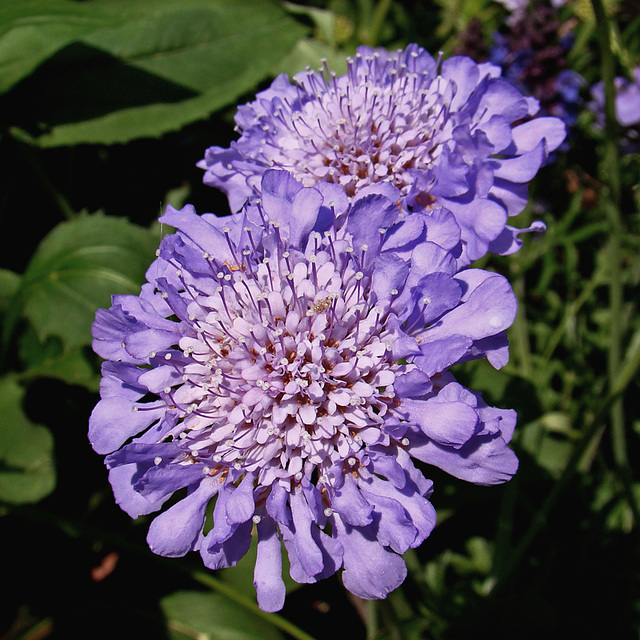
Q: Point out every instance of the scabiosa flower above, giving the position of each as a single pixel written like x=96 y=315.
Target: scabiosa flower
x=447 y=134
x=281 y=368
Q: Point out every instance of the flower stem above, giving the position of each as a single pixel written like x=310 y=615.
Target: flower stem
x=612 y=206
x=377 y=21
x=371 y=20
x=30 y=158
x=519 y=334
x=621 y=381
x=272 y=618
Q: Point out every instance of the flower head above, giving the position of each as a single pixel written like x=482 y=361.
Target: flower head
x=283 y=366
x=451 y=134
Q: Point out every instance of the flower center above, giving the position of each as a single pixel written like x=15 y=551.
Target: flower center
x=289 y=368
x=378 y=122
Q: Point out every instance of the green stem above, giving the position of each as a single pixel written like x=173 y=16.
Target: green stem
x=223 y=588
x=627 y=373
x=30 y=158
x=570 y=312
x=372 y=620
x=612 y=205
x=365 y=11
x=391 y=622
x=377 y=21
x=519 y=334
x=504 y=531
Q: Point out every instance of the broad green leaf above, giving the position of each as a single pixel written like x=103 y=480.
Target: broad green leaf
x=77 y=268
x=478 y=559
x=479 y=375
x=550 y=441
x=50 y=360
x=611 y=502
x=27 y=472
x=33 y=30
x=207 y=616
x=163 y=65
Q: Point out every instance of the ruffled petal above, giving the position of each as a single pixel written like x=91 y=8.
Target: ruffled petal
x=204 y=235
x=220 y=555
x=447 y=423
x=371 y=571
x=267 y=575
x=114 y=420
x=122 y=480
x=349 y=502
x=484 y=460
x=174 y=532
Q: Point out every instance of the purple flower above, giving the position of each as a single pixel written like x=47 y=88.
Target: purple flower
x=627 y=108
x=519 y=8
x=628 y=100
x=281 y=368
x=531 y=48
x=451 y=134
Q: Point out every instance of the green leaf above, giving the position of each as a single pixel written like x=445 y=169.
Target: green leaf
x=324 y=20
x=33 y=30
x=27 y=472
x=49 y=360
x=163 y=65
x=478 y=559
x=207 y=616
x=77 y=268
x=479 y=375
x=550 y=441
x=9 y=284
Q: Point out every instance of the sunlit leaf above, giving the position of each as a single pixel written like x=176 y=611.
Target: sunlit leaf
x=27 y=473
x=33 y=30
x=324 y=20
x=550 y=441
x=207 y=616
x=77 y=268
x=163 y=65
x=50 y=360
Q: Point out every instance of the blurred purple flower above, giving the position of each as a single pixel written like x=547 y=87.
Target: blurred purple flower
x=531 y=48
x=627 y=108
x=532 y=52
x=447 y=134
x=282 y=367
x=518 y=8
